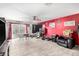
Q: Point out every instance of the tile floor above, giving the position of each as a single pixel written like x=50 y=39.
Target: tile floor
x=38 y=47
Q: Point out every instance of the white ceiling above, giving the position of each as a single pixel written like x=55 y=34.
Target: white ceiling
x=26 y=11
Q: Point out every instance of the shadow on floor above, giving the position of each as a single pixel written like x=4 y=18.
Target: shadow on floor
x=76 y=48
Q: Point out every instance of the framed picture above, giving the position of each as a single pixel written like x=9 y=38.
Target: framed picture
x=69 y=23
x=59 y=21
x=52 y=25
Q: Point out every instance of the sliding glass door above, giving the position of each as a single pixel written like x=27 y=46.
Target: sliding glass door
x=18 y=30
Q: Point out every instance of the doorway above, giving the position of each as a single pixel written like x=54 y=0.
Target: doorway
x=78 y=28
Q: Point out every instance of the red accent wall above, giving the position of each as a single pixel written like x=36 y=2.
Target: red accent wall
x=59 y=26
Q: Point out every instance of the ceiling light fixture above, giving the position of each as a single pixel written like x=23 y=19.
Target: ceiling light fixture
x=48 y=4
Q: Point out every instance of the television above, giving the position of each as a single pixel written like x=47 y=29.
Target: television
x=2 y=32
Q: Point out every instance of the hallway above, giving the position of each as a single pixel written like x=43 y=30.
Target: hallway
x=38 y=47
